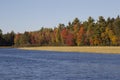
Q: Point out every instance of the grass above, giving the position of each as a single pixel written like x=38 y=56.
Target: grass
x=112 y=50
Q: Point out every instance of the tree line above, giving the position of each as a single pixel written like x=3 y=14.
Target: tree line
x=7 y=39
x=101 y=32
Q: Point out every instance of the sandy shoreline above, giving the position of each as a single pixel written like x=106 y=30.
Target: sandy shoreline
x=112 y=50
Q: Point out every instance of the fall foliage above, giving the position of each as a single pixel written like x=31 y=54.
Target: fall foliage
x=103 y=32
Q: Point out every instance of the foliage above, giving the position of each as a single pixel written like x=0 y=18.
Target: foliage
x=103 y=32
x=7 y=39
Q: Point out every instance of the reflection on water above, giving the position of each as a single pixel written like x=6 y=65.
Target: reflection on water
x=44 y=65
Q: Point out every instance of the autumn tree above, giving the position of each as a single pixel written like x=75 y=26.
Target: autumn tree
x=64 y=34
x=116 y=29
x=90 y=27
x=70 y=39
x=101 y=32
x=17 y=39
x=80 y=36
x=57 y=36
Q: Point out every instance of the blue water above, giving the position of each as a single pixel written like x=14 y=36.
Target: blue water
x=44 y=65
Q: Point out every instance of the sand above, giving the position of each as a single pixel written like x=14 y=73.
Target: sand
x=108 y=50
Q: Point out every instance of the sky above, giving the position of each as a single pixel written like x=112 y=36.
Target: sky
x=31 y=15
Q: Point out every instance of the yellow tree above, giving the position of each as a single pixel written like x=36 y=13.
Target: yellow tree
x=80 y=36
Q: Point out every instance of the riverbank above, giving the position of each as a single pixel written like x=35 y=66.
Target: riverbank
x=112 y=50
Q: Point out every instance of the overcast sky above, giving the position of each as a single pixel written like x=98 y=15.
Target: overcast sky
x=30 y=15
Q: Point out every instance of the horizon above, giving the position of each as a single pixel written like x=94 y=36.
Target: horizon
x=31 y=15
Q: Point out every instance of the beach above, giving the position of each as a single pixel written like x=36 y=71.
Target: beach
x=87 y=49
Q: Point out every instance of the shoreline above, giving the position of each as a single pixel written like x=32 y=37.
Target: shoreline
x=6 y=46
x=87 y=49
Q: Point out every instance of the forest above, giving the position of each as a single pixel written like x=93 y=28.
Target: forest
x=101 y=32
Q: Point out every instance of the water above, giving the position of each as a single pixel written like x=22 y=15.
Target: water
x=44 y=65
